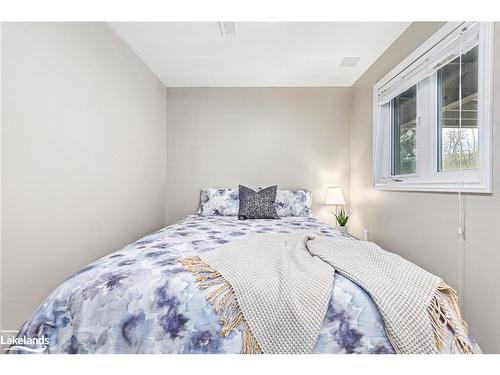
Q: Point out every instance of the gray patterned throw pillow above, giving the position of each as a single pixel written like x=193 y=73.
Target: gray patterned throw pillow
x=257 y=204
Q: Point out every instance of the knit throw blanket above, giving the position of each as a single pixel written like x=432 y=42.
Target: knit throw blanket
x=278 y=287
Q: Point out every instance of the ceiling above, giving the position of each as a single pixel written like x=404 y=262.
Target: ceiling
x=265 y=54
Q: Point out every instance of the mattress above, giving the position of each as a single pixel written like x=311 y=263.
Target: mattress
x=140 y=299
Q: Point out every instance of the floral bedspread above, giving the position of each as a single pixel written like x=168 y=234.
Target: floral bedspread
x=140 y=300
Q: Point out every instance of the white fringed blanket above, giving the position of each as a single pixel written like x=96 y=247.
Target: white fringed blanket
x=279 y=286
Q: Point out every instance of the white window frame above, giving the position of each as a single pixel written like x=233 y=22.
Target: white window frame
x=427 y=178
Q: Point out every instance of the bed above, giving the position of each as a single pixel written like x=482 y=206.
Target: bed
x=141 y=300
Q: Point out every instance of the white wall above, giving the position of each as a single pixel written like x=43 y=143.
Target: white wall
x=83 y=155
x=422 y=227
x=220 y=137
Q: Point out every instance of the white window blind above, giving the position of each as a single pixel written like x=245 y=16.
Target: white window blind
x=463 y=38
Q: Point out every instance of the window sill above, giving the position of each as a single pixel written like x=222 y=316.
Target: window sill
x=442 y=187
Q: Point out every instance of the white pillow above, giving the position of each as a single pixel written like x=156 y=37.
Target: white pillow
x=220 y=202
x=293 y=203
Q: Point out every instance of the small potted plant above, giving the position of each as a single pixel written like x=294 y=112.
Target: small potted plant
x=342 y=217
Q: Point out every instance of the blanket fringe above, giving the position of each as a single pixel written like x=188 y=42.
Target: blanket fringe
x=444 y=311
x=223 y=300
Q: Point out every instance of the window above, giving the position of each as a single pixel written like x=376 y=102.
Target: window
x=404 y=132
x=458 y=144
x=433 y=115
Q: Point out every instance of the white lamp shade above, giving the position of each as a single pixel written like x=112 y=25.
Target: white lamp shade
x=335 y=196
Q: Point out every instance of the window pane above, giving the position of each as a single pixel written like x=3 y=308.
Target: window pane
x=458 y=147
x=404 y=132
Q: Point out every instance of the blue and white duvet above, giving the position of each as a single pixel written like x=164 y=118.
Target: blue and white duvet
x=140 y=299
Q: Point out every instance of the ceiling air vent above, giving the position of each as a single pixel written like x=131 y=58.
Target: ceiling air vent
x=228 y=28
x=349 y=62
